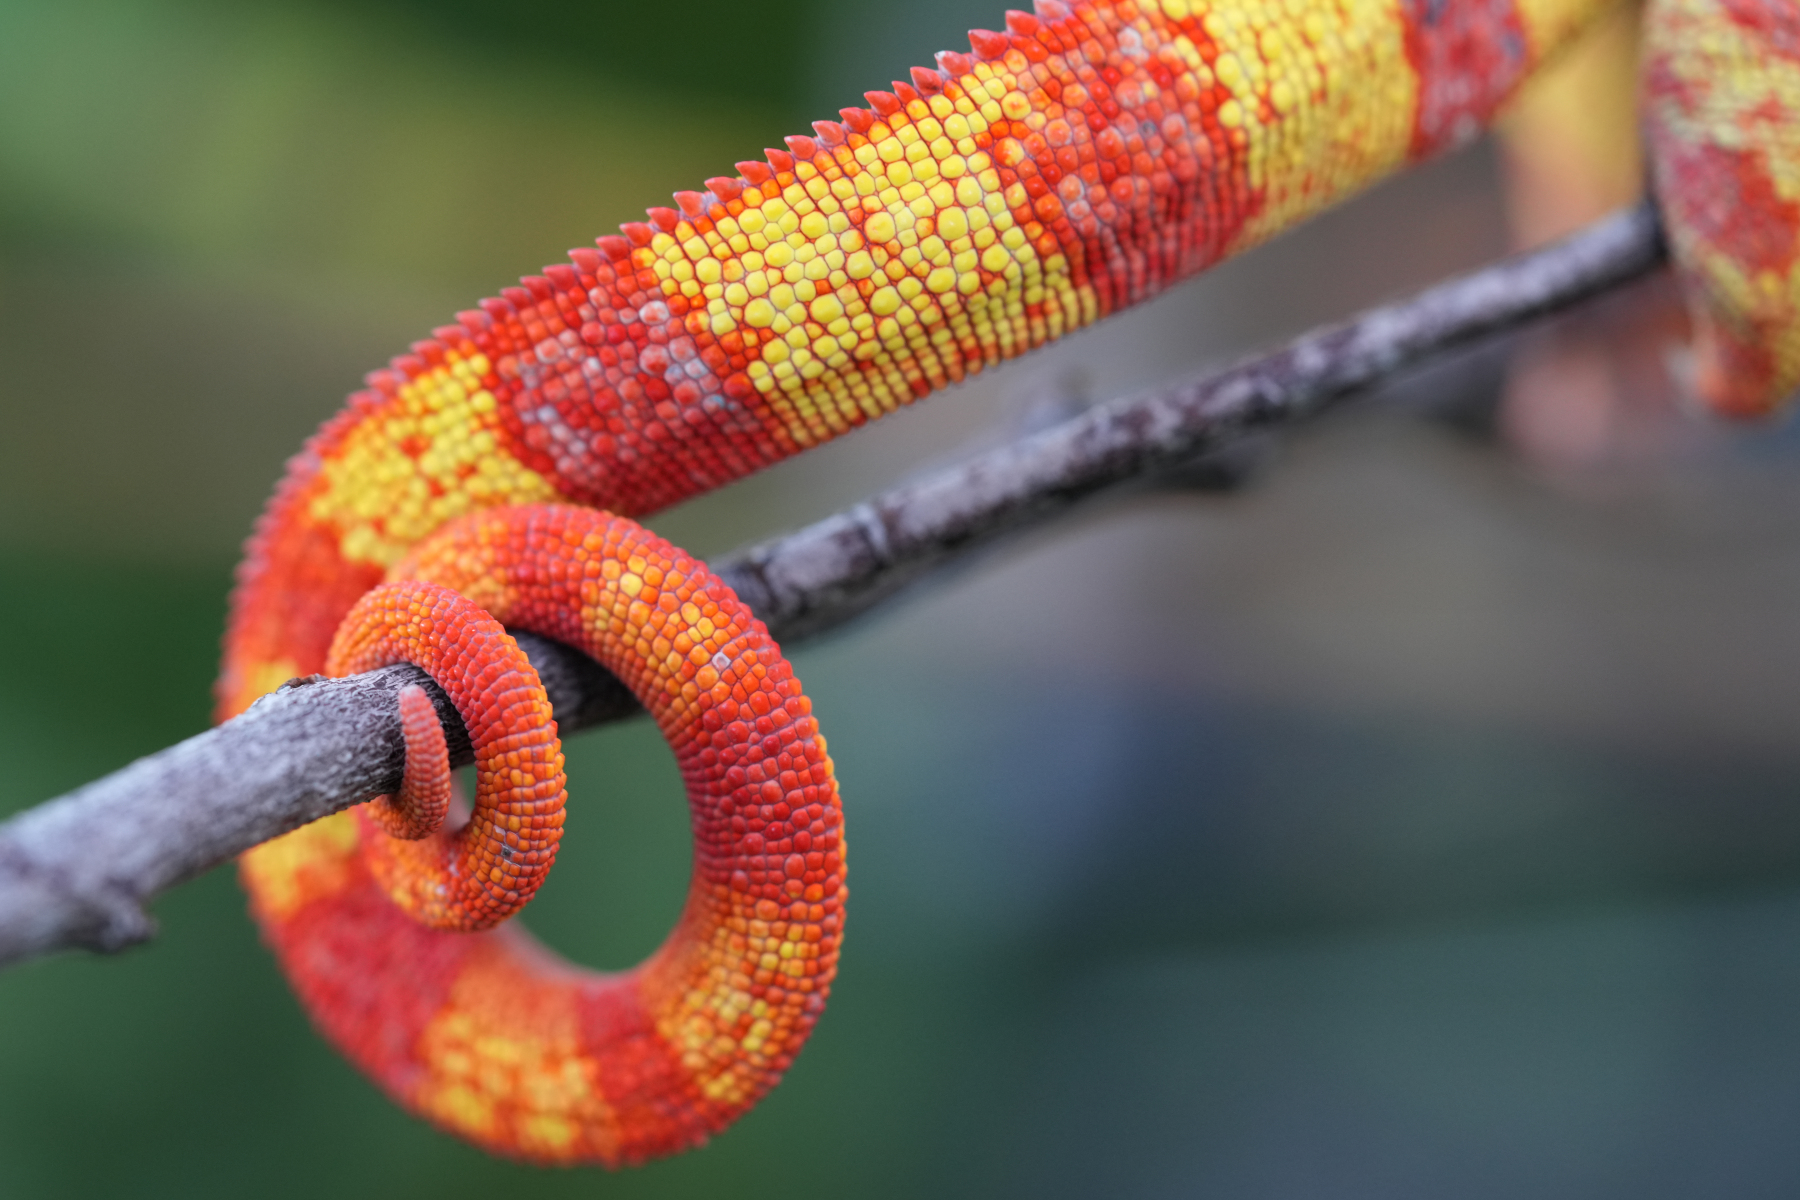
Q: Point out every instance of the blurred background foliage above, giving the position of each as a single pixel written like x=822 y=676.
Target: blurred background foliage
x=1414 y=822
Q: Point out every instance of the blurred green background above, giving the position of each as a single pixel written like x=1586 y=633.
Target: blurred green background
x=1407 y=824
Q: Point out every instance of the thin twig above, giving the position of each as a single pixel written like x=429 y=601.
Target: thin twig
x=77 y=870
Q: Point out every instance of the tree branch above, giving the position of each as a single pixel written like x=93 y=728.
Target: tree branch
x=77 y=870
x=821 y=576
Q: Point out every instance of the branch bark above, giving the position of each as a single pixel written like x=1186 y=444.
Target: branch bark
x=819 y=577
x=77 y=871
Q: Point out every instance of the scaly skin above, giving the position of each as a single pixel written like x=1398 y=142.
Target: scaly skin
x=1722 y=110
x=486 y=871
x=489 y=1034
x=1072 y=166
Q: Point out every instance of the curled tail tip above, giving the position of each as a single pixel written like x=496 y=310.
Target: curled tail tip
x=482 y=874
x=418 y=809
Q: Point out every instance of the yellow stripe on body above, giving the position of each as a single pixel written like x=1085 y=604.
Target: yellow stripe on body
x=311 y=863
x=428 y=455
x=913 y=245
x=1325 y=95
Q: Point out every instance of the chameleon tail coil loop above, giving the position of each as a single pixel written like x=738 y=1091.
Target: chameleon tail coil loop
x=485 y=872
x=490 y=1034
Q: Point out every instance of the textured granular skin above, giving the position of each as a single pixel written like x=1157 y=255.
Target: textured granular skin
x=1068 y=167
x=423 y=801
x=486 y=871
x=1722 y=110
x=491 y=1035
x=1081 y=160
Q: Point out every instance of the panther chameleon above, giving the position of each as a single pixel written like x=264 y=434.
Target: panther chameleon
x=1083 y=159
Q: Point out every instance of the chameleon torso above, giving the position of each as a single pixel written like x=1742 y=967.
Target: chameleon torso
x=1077 y=163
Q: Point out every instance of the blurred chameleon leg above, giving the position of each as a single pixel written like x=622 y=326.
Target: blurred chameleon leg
x=1590 y=389
x=1722 y=111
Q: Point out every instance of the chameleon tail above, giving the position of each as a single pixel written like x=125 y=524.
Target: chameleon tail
x=490 y=1034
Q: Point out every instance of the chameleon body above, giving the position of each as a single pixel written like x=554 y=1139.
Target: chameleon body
x=1722 y=111
x=1078 y=162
